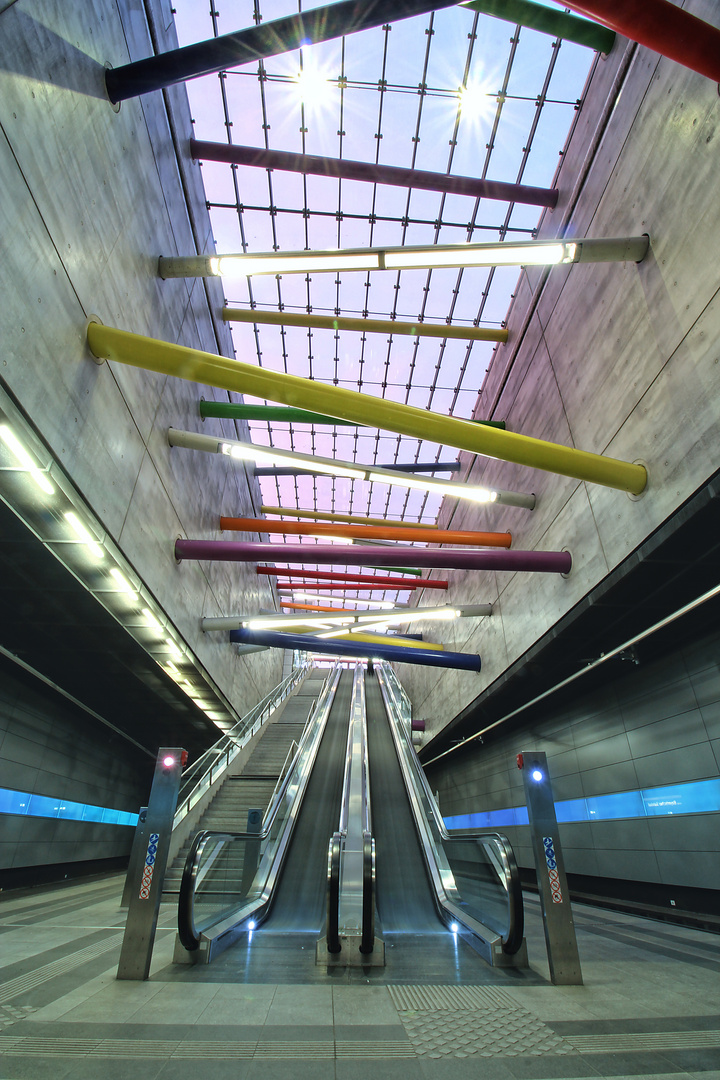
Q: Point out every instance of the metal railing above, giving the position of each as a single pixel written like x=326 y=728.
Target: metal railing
x=474 y=872
x=229 y=878
x=351 y=857
x=210 y=766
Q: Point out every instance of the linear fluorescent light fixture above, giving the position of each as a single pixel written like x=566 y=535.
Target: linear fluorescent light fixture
x=241 y=451
x=26 y=459
x=522 y=253
x=83 y=534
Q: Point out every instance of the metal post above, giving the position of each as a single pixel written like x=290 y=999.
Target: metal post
x=137 y=853
x=137 y=946
x=344 y=169
x=550 y=868
x=543 y=562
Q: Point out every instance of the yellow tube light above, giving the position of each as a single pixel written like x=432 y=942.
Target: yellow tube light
x=120 y=346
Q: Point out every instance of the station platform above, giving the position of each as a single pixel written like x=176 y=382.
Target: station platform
x=650 y=1004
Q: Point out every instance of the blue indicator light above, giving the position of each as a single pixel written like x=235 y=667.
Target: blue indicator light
x=537 y=775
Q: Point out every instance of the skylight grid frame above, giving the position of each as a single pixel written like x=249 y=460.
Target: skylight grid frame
x=416 y=372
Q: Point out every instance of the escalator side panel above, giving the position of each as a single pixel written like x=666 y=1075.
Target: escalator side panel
x=300 y=898
x=404 y=898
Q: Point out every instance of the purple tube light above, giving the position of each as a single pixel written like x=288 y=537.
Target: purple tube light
x=540 y=562
x=275 y=639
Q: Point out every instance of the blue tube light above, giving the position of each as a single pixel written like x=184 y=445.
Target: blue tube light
x=397 y=653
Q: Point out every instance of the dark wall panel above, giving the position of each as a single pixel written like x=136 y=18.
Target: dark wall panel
x=645 y=726
x=48 y=747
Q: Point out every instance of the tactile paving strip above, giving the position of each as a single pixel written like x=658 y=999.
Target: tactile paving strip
x=491 y=1033
x=451 y=997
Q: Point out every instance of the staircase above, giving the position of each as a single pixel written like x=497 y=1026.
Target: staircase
x=253 y=788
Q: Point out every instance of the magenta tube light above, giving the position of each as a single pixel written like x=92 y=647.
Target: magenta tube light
x=542 y=562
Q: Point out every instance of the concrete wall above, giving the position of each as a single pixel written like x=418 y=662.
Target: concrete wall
x=618 y=359
x=657 y=724
x=49 y=747
x=91 y=197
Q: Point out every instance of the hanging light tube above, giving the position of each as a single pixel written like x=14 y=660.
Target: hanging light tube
x=136 y=350
x=404 y=534
x=348 y=519
x=358 y=579
x=244 y=451
x=543 y=562
x=439 y=256
x=399 y=653
x=332 y=586
x=394 y=614
x=395 y=327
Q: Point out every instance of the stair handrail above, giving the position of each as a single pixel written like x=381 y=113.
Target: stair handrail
x=187 y=931
x=214 y=762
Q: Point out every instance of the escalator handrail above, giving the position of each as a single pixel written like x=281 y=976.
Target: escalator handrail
x=513 y=938
x=358 y=712
x=187 y=931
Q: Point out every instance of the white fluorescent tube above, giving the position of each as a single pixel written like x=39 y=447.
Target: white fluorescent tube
x=12 y=442
x=84 y=534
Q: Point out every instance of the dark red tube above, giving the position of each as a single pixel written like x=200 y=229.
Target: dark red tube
x=356 y=579
x=374 y=174
x=661 y=26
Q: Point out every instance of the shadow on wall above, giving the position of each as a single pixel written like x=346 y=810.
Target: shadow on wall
x=49 y=58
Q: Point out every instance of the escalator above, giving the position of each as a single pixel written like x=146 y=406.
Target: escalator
x=427 y=881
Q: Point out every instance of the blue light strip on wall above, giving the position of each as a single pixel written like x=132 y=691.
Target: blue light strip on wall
x=700 y=797
x=22 y=802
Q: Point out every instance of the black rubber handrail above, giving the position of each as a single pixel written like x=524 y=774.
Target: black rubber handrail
x=332 y=936
x=187 y=932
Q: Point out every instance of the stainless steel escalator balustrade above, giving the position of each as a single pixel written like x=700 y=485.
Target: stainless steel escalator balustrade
x=229 y=878
x=474 y=874
x=351 y=856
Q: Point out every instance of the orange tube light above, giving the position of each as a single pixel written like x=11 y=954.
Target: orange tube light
x=406 y=534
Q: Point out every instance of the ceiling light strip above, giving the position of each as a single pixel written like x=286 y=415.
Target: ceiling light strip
x=109 y=343
x=246 y=451
x=544 y=562
x=373 y=173
x=421 y=257
x=405 y=534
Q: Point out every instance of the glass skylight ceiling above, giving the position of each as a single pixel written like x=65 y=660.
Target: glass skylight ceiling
x=450 y=92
